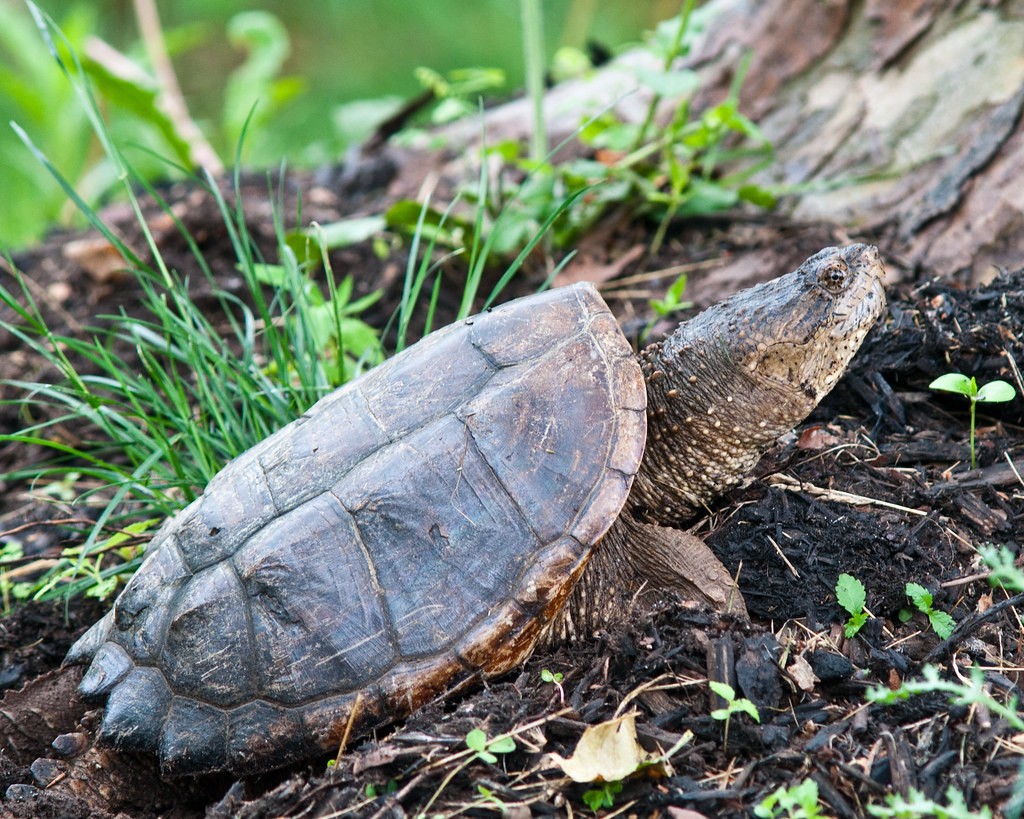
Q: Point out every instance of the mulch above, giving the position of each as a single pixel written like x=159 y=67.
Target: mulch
x=875 y=484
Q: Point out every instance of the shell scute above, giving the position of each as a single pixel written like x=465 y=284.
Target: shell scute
x=628 y=447
x=509 y=337
x=445 y=537
x=208 y=650
x=499 y=643
x=135 y=711
x=542 y=585
x=314 y=452
x=236 y=503
x=317 y=613
x=144 y=608
x=540 y=428
x=194 y=737
x=110 y=665
x=414 y=390
x=259 y=729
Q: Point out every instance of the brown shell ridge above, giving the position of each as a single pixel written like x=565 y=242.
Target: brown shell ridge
x=378 y=588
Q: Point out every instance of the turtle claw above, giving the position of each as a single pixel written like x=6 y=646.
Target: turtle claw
x=135 y=711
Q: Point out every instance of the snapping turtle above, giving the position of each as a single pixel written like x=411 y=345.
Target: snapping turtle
x=426 y=524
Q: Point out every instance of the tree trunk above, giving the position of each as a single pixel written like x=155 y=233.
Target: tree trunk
x=898 y=120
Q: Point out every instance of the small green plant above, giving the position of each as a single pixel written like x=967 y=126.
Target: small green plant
x=733 y=705
x=971 y=694
x=664 y=173
x=486 y=749
x=480 y=748
x=1005 y=573
x=458 y=91
x=960 y=693
x=798 y=801
x=602 y=796
x=373 y=791
x=488 y=797
x=12 y=555
x=852 y=597
x=345 y=343
x=991 y=393
x=941 y=622
x=673 y=301
x=555 y=678
x=915 y=805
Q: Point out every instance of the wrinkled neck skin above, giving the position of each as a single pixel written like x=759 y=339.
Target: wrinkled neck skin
x=709 y=420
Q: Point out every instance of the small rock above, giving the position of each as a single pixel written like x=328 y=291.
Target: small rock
x=757 y=671
x=11 y=675
x=47 y=771
x=21 y=793
x=69 y=745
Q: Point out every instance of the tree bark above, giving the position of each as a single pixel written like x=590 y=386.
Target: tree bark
x=900 y=121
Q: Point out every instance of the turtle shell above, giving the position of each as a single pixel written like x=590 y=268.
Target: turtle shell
x=415 y=530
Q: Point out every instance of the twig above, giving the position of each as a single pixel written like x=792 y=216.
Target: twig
x=1013 y=467
x=170 y=91
x=52 y=522
x=793 y=485
x=966 y=627
x=782 y=555
x=348 y=726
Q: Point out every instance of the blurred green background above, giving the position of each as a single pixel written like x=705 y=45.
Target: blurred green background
x=306 y=73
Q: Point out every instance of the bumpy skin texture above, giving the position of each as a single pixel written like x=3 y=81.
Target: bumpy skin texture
x=729 y=382
x=427 y=524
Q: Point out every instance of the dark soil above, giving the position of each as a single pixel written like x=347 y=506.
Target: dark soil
x=874 y=484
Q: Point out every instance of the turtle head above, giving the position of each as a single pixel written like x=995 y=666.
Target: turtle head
x=732 y=379
x=796 y=334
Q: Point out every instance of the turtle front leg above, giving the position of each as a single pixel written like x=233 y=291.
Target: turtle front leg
x=668 y=559
x=636 y=559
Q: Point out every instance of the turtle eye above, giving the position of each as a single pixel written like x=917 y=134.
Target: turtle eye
x=833 y=276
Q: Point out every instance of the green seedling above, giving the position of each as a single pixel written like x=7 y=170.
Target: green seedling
x=482 y=749
x=795 y=802
x=1005 y=573
x=12 y=555
x=487 y=797
x=941 y=622
x=487 y=748
x=733 y=705
x=994 y=392
x=971 y=694
x=852 y=597
x=915 y=804
x=332 y=332
x=555 y=678
x=602 y=796
x=673 y=301
x=373 y=791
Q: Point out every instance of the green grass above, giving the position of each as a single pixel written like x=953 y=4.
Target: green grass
x=163 y=421
x=150 y=387
x=320 y=76
x=162 y=428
